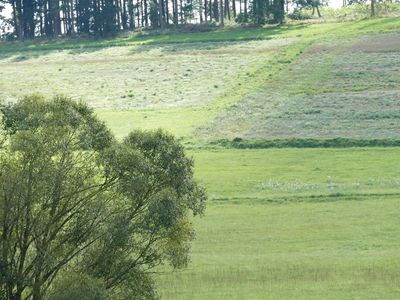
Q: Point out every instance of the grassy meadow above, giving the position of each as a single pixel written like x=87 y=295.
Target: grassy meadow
x=295 y=224
x=280 y=223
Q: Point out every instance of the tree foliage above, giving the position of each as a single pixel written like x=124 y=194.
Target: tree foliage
x=313 y=4
x=261 y=12
x=75 y=203
x=52 y=18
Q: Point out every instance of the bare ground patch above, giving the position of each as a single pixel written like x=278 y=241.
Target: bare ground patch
x=379 y=43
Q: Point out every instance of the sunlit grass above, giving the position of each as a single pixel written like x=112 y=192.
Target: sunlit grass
x=281 y=175
x=180 y=121
x=280 y=223
x=312 y=247
x=335 y=250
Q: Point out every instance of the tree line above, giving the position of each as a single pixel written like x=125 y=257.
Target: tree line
x=51 y=18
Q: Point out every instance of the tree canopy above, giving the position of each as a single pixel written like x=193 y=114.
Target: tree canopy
x=80 y=209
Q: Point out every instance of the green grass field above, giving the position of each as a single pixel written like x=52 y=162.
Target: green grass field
x=295 y=224
x=329 y=250
x=280 y=223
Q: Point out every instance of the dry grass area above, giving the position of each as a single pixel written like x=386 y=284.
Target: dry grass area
x=140 y=76
x=384 y=43
x=340 y=88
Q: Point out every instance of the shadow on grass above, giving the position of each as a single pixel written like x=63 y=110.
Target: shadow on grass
x=22 y=56
x=79 y=46
x=173 y=36
x=180 y=47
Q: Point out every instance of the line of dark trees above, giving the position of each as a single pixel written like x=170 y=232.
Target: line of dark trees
x=50 y=18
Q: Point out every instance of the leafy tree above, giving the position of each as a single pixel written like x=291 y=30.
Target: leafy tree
x=279 y=11
x=259 y=9
x=314 y=4
x=261 y=12
x=78 y=206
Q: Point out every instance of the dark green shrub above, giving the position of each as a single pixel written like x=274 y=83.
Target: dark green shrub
x=306 y=143
x=298 y=14
x=243 y=18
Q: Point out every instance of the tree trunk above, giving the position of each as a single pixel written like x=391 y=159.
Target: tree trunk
x=181 y=10
x=146 y=14
x=221 y=13
x=201 y=10
x=16 y=22
x=318 y=12
x=56 y=17
x=20 y=23
x=279 y=11
x=216 y=10
x=160 y=13
x=373 y=2
x=131 y=15
x=166 y=12
x=175 y=11
x=142 y=13
x=205 y=10
x=227 y=11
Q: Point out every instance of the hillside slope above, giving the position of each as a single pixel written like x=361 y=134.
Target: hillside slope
x=301 y=80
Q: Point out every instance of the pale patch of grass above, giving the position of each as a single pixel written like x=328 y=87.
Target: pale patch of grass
x=180 y=121
x=135 y=77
